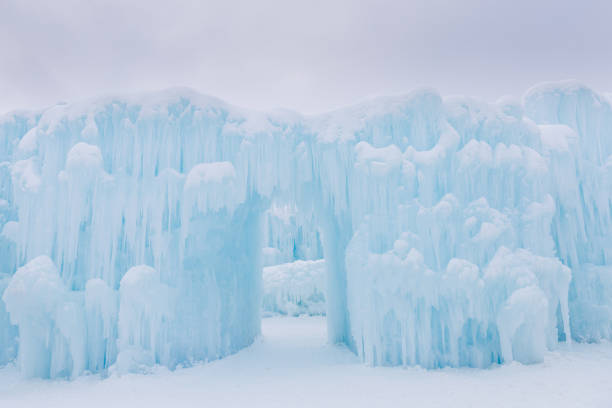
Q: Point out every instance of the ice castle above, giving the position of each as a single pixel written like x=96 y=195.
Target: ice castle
x=455 y=232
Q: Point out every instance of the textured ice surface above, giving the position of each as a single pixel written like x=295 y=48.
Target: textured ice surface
x=295 y=288
x=454 y=231
x=289 y=234
x=50 y=320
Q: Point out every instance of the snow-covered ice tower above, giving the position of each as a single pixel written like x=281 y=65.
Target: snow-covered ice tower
x=455 y=232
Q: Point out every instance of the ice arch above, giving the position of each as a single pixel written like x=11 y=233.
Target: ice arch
x=451 y=227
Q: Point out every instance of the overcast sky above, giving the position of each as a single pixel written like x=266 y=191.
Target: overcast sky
x=307 y=55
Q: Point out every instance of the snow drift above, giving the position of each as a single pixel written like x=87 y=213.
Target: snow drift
x=454 y=232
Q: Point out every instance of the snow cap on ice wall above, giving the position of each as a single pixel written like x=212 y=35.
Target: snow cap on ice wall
x=455 y=232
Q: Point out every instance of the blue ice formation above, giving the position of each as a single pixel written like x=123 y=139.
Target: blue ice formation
x=294 y=288
x=455 y=232
x=289 y=235
x=294 y=275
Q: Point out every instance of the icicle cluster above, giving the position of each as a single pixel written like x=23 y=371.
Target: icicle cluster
x=455 y=232
x=295 y=288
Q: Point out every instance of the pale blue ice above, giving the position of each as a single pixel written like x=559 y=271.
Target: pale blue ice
x=455 y=232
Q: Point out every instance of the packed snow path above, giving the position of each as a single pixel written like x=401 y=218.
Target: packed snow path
x=292 y=366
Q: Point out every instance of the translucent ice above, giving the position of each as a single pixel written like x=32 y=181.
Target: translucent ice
x=295 y=288
x=454 y=231
x=49 y=319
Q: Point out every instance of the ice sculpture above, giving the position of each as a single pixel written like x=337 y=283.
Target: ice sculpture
x=295 y=288
x=289 y=235
x=455 y=232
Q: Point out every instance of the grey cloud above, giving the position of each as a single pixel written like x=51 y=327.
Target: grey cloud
x=308 y=56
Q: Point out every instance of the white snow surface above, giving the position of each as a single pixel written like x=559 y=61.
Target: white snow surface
x=292 y=365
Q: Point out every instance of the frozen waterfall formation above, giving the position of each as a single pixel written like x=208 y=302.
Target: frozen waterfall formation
x=455 y=232
x=294 y=288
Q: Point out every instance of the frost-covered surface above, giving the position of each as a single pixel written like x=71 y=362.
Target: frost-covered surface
x=295 y=288
x=455 y=232
x=50 y=321
x=289 y=235
x=292 y=366
x=8 y=333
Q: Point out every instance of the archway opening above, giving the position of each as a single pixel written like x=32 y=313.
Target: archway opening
x=303 y=271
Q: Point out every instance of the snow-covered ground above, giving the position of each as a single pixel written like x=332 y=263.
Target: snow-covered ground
x=292 y=366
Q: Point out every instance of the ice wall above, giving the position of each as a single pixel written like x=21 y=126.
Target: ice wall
x=295 y=288
x=455 y=232
x=290 y=235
